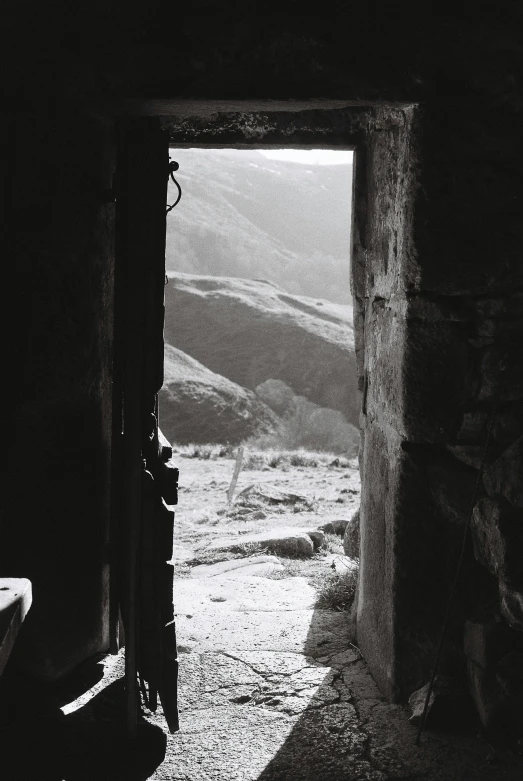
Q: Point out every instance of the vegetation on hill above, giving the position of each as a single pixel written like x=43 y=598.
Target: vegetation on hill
x=242 y=215
x=250 y=331
x=197 y=405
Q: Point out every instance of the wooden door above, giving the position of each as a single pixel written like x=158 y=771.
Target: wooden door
x=144 y=478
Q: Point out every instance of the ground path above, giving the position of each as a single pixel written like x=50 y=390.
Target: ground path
x=272 y=688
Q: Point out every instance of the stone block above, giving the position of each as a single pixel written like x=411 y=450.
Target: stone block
x=509 y=673
x=512 y=605
x=452 y=486
x=447 y=700
x=351 y=537
x=437 y=366
x=504 y=477
x=284 y=542
x=501 y=368
x=487 y=694
x=317 y=536
x=342 y=565
x=473 y=428
x=485 y=641
x=402 y=584
x=499 y=308
x=507 y=426
x=238 y=591
x=234 y=567
x=335 y=527
x=384 y=336
x=471 y=455
x=419 y=370
x=497 y=535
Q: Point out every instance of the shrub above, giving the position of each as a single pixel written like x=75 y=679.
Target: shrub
x=337 y=592
x=206 y=452
x=332 y=544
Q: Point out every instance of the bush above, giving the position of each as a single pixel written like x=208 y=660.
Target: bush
x=337 y=592
x=305 y=424
x=206 y=452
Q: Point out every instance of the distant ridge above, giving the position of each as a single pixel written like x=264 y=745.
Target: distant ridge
x=250 y=332
x=242 y=215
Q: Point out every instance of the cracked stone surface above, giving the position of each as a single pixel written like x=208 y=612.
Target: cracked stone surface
x=263 y=696
x=284 y=696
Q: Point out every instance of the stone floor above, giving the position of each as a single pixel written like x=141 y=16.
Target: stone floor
x=271 y=689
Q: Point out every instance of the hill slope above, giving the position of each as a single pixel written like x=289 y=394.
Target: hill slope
x=250 y=331
x=197 y=405
x=245 y=216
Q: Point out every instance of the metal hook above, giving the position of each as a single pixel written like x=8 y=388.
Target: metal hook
x=174 y=166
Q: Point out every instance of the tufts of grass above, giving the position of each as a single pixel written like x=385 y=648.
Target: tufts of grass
x=332 y=544
x=292 y=568
x=212 y=557
x=250 y=548
x=276 y=460
x=342 y=463
x=254 y=460
x=207 y=452
x=259 y=457
x=239 y=551
x=337 y=591
x=207 y=517
x=301 y=458
x=181 y=570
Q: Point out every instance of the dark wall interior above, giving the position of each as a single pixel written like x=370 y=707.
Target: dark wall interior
x=445 y=277
x=59 y=264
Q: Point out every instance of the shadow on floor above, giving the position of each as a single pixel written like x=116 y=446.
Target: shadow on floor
x=326 y=742
x=361 y=737
x=40 y=743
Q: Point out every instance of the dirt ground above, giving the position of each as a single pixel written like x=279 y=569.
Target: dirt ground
x=331 y=483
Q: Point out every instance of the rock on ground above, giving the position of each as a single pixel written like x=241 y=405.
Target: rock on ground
x=261 y=566
x=335 y=527
x=284 y=542
x=351 y=537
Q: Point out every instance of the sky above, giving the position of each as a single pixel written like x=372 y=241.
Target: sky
x=309 y=156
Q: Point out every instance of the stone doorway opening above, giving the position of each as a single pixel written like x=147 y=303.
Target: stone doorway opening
x=384 y=186
x=260 y=385
x=260 y=349
x=386 y=284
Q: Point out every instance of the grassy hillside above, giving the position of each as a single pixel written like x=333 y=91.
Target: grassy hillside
x=197 y=405
x=245 y=216
x=251 y=331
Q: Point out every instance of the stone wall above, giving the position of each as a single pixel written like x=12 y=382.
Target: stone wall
x=440 y=318
x=437 y=277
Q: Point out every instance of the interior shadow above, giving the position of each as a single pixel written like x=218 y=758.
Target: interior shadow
x=38 y=742
x=326 y=742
